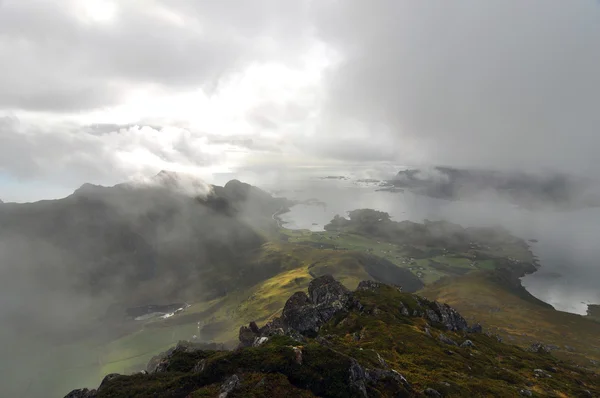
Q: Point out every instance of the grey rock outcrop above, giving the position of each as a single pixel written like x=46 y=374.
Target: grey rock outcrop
x=448 y=316
x=107 y=379
x=160 y=363
x=430 y=392
x=82 y=393
x=328 y=296
x=360 y=378
x=303 y=314
x=229 y=385
x=446 y=340
x=200 y=366
x=299 y=313
x=467 y=343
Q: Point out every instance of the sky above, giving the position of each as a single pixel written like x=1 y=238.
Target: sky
x=102 y=91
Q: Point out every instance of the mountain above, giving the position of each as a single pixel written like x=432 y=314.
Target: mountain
x=110 y=277
x=374 y=342
x=170 y=239
x=82 y=265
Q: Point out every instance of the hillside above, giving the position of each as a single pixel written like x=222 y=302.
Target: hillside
x=222 y=259
x=78 y=263
x=508 y=310
x=375 y=341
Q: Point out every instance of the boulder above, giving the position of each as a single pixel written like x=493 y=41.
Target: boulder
x=451 y=318
x=298 y=354
x=328 y=296
x=258 y=341
x=229 y=385
x=160 y=363
x=541 y=373
x=199 y=367
x=107 y=379
x=467 y=343
x=357 y=377
x=300 y=314
x=430 y=392
x=376 y=375
x=246 y=336
x=82 y=393
x=446 y=340
x=361 y=379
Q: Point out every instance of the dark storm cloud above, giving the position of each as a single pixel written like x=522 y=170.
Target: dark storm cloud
x=493 y=83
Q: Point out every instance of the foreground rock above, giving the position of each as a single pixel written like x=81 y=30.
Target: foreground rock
x=304 y=314
x=374 y=342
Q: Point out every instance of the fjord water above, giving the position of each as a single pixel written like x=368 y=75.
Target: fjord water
x=567 y=244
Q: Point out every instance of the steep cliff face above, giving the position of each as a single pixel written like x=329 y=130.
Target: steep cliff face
x=374 y=342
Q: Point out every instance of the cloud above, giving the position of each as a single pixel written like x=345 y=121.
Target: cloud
x=67 y=55
x=494 y=83
x=69 y=155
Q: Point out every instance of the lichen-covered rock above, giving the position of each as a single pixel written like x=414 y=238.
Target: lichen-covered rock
x=107 y=379
x=362 y=379
x=258 y=341
x=377 y=375
x=451 y=318
x=160 y=363
x=430 y=392
x=246 y=336
x=229 y=385
x=432 y=316
x=404 y=310
x=540 y=348
x=357 y=377
x=467 y=343
x=81 y=393
x=274 y=327
x=300 y=314
x=328 y=296
x=200 y=366
x=541 y=373
x=446 y=340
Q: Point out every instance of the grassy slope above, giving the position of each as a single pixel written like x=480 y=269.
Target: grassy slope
x=292 y=265
x=220 y=318
x=387 y=340
x=480 y=296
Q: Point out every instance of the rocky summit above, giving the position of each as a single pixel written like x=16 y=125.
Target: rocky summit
x=376 y=341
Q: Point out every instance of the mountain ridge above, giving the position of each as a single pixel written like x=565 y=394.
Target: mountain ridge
x=375 y=341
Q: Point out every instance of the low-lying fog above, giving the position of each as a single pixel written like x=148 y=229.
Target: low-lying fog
x=567 y=240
